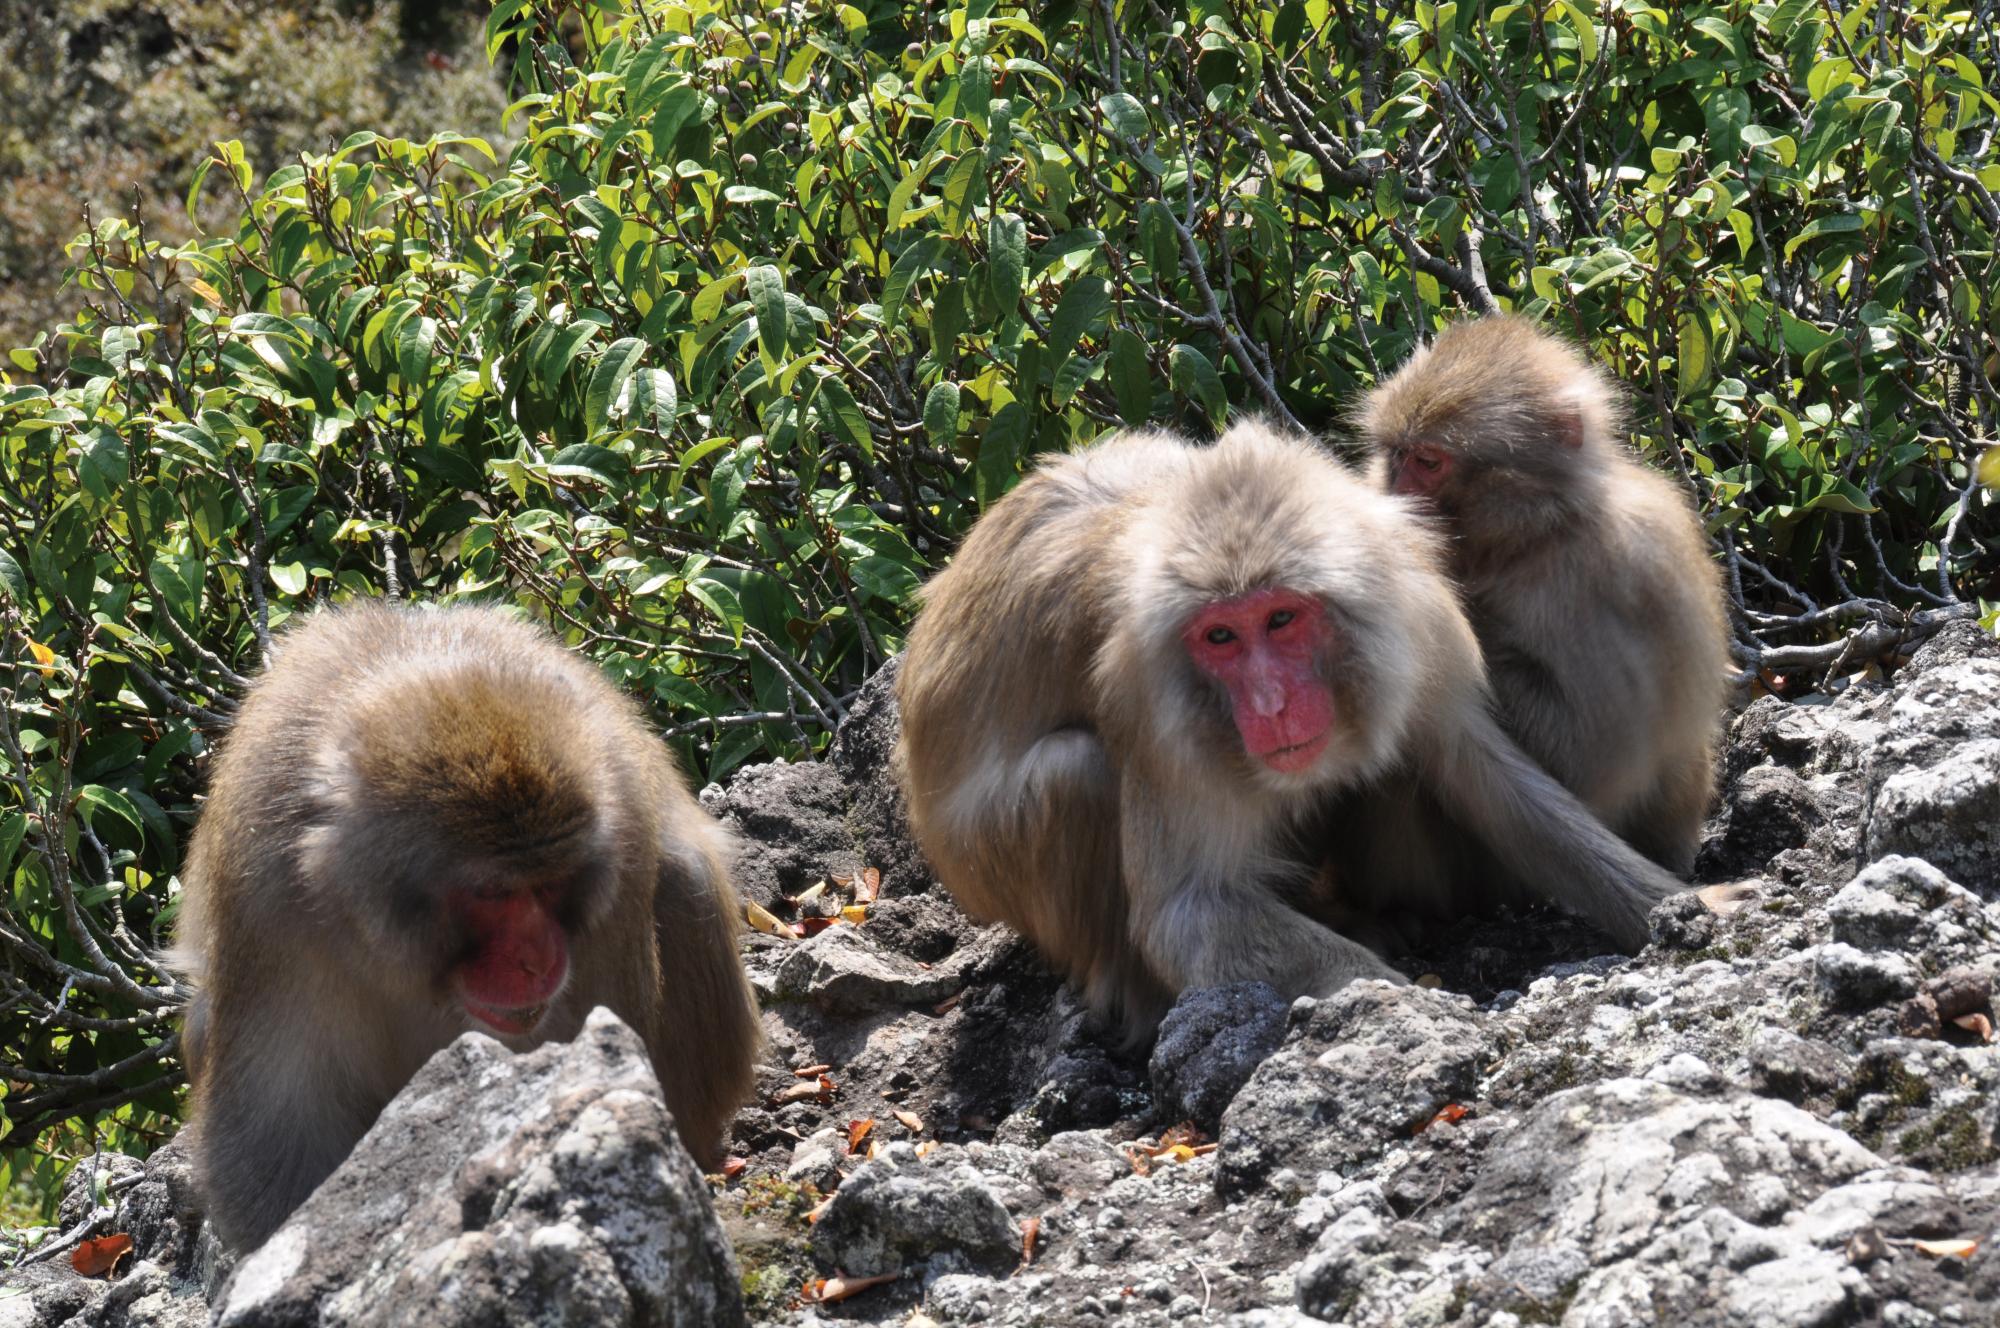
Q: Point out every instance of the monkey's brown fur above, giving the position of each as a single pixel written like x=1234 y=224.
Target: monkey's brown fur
x=1586 y=575
x=1070 y=772
x=389 y=751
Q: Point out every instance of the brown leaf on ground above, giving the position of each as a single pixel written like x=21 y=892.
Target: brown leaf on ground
x=95 y=1258
x=1448 y=1113
x=827 y=1290
x=910 y=1119
x=1031 y=1231
x=857 y=1130
x=1946 y=1249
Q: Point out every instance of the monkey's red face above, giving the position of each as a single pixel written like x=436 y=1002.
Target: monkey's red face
x=1419 y=471
x=516 y=960
x=1263 y=647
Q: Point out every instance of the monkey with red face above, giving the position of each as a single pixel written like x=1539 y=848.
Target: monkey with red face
x=425 y=823
x=1152 y=665
x=1586 y=575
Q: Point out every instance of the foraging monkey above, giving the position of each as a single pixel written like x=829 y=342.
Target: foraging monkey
x=1586 y=575
x=424 y=823
x=1152 y=664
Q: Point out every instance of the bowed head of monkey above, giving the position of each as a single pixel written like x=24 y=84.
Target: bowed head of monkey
x=425 y=824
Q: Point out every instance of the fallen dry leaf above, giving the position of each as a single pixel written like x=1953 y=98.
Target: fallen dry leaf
x=910 y=1119
x=821 y=1089
x=927 y=1147
x=1031 y=1231
x=857 y=1130
x=946 y=1005
x=1976 y=1024
x=814 y=926
x=95 y=1258
x=818 y=1210
x=854 y=914
x=919 y=1319
x=732 y=1166
x=764 y=920
x=826 y=1290
x=810 y=1071
x=1946 y=1249
x=869 y=886
x=1446 y=1114
x=810 y=894
x=1187 y=1133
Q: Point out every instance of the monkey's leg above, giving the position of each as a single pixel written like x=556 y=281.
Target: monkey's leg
x=1206 y=910
x=1539 y=831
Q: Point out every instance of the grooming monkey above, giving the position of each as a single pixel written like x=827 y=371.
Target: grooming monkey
x=1585 y=574
x=1152 y=663
x=424 y=823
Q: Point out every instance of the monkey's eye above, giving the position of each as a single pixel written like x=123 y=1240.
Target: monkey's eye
x=1219 y=636
x=1282 y=618
x=1425 y=460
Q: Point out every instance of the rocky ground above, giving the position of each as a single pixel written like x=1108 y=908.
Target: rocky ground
x=1785 y=1114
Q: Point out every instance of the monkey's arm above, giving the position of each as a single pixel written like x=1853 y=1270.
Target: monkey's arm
x=1206 y=908
x=1538 y=830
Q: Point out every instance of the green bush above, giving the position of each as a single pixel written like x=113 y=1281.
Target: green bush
x=768 y=303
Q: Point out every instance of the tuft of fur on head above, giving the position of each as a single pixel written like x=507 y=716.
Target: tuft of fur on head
x=1261 y=509
x=485 y=757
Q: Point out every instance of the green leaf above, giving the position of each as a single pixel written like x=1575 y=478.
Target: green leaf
x=1692 y=359
x=941 y=415
x=719 y=600
x=289 y=577
x=1086 y=301
x=1131 y=376
x=93 y=800
x=14 y=581
x=1126 y=115
x=767 y=297
x=608 y=377
x=1838 y=224
x=919 y=257
x=650 y=402
x=1194 y=376
x=1000 y=453
x=1007 y=258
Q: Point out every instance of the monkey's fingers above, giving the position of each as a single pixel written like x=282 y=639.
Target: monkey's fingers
x=1723 y=900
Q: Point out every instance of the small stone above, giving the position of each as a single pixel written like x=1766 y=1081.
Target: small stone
x=1855 y=979
x=1871 y=919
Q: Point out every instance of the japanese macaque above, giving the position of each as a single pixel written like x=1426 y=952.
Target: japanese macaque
x=425 y=823
x=1154 y=665
x=1587 y=576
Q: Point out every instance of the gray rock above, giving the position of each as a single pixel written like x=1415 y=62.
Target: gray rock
x=898 y=1210
x=1947 y=813
x=1871 y=919
x=1209 y=1044
x=1369 y=1064
x=1855 y=979
x=500 y=1189
x=842 y=970
x=816 y=1159
x=1783 y=1064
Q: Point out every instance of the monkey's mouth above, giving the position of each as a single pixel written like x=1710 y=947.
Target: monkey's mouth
x=512 y=1021
x=1297 y=757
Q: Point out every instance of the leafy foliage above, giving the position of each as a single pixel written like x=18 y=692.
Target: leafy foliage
x=767 y=304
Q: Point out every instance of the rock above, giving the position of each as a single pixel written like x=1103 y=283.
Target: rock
x=1682 y=922
x=1209 y=1044
x=898 y=1210
x=1854 y=979
x=816 y=1160
x=1871 y=919
x=791 y=826
x=1783 y=1064
x=1947 y=813
x=499 y=1189
x=1368 y=1065
x=843 y=971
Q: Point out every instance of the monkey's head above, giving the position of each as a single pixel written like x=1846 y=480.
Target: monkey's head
x=1489 y=426
x=1263 y=590
x=466 y=836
